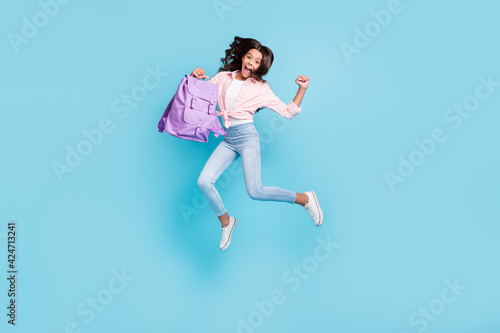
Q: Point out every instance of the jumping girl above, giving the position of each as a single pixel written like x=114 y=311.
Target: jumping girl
x=242 y=92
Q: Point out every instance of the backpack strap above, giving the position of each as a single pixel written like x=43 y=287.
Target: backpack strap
x=217 y=128
x=217 y=131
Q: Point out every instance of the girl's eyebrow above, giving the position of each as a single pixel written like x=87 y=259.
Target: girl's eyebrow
x=252 y=56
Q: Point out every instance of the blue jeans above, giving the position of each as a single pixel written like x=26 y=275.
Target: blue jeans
x=240 y=140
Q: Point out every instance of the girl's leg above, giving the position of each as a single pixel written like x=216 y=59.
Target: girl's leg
x=250 y=160
x=251 y=163
x=219 y=161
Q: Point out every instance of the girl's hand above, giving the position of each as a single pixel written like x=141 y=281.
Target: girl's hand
x=199 y=73
x=302 y=81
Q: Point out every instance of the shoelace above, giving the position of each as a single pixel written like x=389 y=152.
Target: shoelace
x=313 y=212
x=225 y=233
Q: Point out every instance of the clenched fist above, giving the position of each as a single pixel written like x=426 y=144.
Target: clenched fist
x=302 y=81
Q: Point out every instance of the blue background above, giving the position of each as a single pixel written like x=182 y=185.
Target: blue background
x=121 y=208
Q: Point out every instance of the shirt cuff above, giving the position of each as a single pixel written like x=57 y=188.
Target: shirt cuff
x=293 y=108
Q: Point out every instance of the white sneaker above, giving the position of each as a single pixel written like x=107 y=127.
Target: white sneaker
x=313 y=208
x=227 y=232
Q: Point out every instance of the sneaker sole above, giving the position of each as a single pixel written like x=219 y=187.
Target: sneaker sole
x=319 y=209
x=230 y=235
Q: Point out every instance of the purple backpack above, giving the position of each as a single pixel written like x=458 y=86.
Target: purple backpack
x=191 y=114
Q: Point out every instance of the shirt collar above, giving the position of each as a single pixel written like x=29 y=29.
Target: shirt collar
x=233 y=73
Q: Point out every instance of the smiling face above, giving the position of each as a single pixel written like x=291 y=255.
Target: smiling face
x=250 y=62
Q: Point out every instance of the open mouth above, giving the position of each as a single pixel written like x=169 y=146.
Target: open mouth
x=247 y=70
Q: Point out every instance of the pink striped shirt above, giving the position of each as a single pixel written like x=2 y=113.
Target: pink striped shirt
x=253 y=95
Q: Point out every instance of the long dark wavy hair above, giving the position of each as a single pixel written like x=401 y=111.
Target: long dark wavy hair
x=237 y=50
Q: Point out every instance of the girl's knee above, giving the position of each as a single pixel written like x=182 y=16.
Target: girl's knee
x=203 y=182
x=256 y=193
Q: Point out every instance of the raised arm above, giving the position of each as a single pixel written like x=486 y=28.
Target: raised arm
x=303 y=82
x=274 y=103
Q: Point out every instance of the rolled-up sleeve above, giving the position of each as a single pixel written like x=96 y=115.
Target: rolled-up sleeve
x=273 y=102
